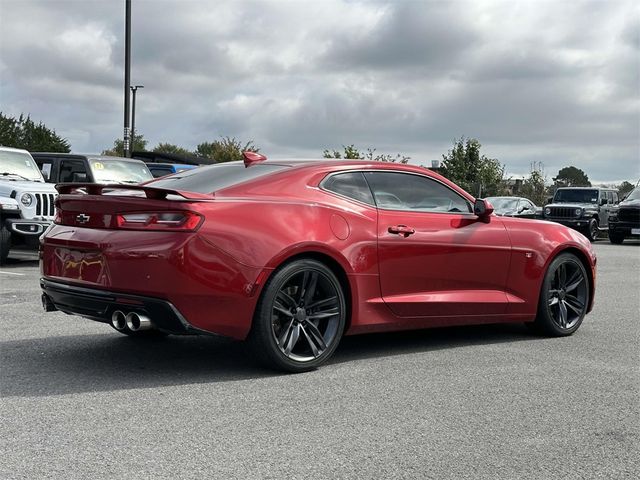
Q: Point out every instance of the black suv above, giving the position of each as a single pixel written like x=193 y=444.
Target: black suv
x=73 y=168
x=584 y=208
x=624 y=221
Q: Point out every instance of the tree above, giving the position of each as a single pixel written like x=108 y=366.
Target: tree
x=476 y=173
x=572 y=177
x=170 y=148
x=140 y=145
x=533 y=187
x=22 y=132
x=624 y=188
x=226 y=149
x=350 y=152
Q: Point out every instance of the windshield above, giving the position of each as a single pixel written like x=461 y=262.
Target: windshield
x=634 y=195
x=576 y=196
x=19 y=164
x=503 y=204
x=119 y=171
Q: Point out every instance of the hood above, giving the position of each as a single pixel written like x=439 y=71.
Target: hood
x=572 y=204
x=8 y=186
x=630 y=203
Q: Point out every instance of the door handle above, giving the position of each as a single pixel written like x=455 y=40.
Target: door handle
x=401 y=230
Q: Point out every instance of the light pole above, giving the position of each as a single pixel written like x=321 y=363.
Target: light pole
x=133 y=115
x=127 y=76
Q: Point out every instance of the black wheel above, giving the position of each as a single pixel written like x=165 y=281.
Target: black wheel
x=616 y=238
x=592 y=230
x=300 y=317
x=5 y=244
x=564 y=296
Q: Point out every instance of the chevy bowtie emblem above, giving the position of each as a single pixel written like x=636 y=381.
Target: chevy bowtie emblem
x=82 y=218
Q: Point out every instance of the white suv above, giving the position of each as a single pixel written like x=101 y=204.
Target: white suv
x=26 y=201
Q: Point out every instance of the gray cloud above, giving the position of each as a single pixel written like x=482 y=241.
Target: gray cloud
x=557 y=82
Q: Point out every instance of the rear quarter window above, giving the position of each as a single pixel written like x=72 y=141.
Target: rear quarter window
x=215 y=177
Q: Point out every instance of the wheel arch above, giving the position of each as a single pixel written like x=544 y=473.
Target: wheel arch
x=584 y=259
x=332 y=263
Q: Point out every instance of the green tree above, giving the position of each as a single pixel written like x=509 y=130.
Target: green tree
x=226 y=149
x=139 y=144
x=476 y=173
x=171 y=148
x=533 y=187
x=624 y=188
x=572 y=177
x=22 y=132
x=350 y=152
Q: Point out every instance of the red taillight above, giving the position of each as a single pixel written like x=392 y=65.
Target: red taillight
x=175 y=221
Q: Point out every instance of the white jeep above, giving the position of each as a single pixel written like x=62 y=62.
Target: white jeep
x=26 y=201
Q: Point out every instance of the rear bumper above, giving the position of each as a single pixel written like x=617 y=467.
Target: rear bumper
x=99 y=305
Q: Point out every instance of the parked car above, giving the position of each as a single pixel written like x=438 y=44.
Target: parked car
x=518 y=207
x=74 y=168
x=26 y=202
x=624 y=220
x=292 y=255
x=585 y=209
x=162 y=169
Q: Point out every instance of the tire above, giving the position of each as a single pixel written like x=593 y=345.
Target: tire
x=5 y=244
x=616 y=238
x=592 y=230
x=564 y=297
x=300 y=317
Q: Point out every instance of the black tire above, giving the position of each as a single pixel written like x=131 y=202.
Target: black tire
x=564 y=297
x=592 y=230
x=300 y=317
x=5 y=244
x=616 y=238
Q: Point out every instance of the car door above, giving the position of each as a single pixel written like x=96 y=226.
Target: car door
x=436 y=258
x=604 y=202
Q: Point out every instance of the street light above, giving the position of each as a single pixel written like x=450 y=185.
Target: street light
x=134 y=89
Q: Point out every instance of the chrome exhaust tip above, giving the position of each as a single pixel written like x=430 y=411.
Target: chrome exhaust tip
x=137 y=322
x=118 y=320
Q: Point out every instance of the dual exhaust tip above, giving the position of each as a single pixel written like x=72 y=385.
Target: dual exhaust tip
x=132 y=321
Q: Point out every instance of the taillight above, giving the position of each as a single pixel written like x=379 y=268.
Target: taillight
x=176 y=221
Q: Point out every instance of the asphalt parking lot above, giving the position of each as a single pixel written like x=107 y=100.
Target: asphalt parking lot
x=82 y=401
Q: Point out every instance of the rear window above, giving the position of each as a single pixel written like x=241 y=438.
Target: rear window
x=215 y=177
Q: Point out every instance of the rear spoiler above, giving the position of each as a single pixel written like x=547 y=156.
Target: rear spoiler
x=150 y=192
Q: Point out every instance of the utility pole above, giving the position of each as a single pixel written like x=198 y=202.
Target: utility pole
x=133 y=115
x=127 y=77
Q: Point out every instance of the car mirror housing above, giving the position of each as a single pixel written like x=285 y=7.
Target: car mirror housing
x=482 y=208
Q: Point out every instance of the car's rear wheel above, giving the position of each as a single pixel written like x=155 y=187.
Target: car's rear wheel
x=592 y=230
x=616 y=238
x=564 y=296
x=300 y=317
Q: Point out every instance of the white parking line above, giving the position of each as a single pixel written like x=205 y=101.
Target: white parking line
x=12 y=273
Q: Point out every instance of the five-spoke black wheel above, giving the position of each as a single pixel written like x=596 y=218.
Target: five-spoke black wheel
x=300 y=317
x=564 y=297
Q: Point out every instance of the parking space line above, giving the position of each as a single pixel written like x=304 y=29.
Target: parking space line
x=12 y=273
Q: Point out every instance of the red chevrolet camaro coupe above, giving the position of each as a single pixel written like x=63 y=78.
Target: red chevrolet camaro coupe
x=291 y=255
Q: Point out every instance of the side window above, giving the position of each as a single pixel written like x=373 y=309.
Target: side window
x=46 y=167
x=615 y=197
x=159 y=171
x=349 y=184
x=73 y=171
x=610 y=198
x=403 y=191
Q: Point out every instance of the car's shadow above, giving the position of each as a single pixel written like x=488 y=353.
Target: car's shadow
x=107 y=362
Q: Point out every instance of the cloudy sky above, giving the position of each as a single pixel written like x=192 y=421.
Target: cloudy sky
x=556 y=82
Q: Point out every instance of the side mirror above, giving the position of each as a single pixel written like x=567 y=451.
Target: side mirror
x=482 y=208
x=603 y=201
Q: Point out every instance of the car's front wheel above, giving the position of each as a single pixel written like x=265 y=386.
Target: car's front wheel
x=564 y=296
x=300 y=317
x=592 y=230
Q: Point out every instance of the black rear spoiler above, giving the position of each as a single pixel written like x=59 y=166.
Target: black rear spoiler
x=150 y=192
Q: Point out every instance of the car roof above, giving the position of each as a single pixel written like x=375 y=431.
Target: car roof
x=80 y=156
x=587 y=188
x=11 y=149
